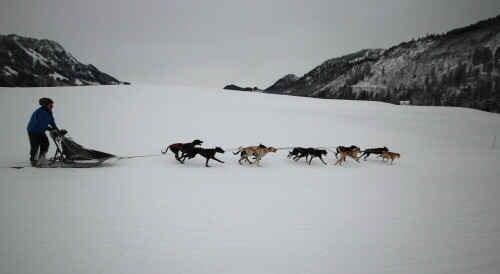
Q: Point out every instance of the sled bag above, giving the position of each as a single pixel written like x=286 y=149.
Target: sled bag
x=74 y=151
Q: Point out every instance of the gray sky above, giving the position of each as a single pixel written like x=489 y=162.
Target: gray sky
x=219 y=42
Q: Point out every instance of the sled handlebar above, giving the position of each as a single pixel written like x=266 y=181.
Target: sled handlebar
x=58 y=133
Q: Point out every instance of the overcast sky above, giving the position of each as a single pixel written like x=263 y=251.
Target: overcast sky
x=220 y=42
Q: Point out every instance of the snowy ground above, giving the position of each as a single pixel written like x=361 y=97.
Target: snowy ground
x=436 y=210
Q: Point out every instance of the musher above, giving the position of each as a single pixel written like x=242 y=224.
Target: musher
x=40 y=121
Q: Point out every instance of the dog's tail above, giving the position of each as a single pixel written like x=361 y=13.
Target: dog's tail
x=165 y=151
x=239 y=150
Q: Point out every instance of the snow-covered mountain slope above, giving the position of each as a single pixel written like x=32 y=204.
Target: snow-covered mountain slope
x=284 y=82
x=31 y=62
x=435 y=210
x=459 y=68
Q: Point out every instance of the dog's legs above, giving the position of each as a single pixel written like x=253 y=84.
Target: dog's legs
x=206 y=164
x=245 y=157
x=309 y=160
x=216 y=160
x=321 y=158
x=340 y=160
x=188 y=156
x=256 y=161
x=367 y=154
x=178 y=158
x=183 y=157
x=300 y=156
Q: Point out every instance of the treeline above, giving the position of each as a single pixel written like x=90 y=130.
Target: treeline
x=23 y=79
x=29 y=80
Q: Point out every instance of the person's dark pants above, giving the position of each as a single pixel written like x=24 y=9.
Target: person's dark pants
x=38 y=141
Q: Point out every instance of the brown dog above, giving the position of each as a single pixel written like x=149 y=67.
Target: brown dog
x=257 y=151
x=345 y=149
x=343 y=154
x=389 y=155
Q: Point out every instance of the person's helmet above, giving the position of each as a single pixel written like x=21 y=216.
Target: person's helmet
x=45 y=101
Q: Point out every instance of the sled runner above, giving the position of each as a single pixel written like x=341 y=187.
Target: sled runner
x=69 y=154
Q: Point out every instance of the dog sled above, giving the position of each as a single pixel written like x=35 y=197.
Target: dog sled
x=69 y=154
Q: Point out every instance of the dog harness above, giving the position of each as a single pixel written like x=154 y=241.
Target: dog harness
x=179 y=146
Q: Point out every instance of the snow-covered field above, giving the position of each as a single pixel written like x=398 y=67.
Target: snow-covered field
x=435 y=210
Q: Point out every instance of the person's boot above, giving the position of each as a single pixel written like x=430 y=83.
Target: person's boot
x=33 y=161
x=42 y=161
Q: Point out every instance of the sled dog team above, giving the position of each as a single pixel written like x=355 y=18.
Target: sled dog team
x=190 y=150
x=42 y=120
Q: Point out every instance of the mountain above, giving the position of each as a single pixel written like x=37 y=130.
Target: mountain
x=318 y=78
x=459 y=68
x=32 y=62
x=284 y=82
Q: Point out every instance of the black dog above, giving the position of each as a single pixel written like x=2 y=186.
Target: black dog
x=377 y=151
x=186 y=149
x=296 y=152
x=208 y=153
x=312 y=152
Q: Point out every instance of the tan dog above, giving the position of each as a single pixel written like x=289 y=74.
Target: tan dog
x=389 y=155
x=257 y=151
x=353 y=154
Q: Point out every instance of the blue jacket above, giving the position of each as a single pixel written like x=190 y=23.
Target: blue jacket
x=40 y=121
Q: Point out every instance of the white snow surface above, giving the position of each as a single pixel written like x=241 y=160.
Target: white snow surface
x=435 y=210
